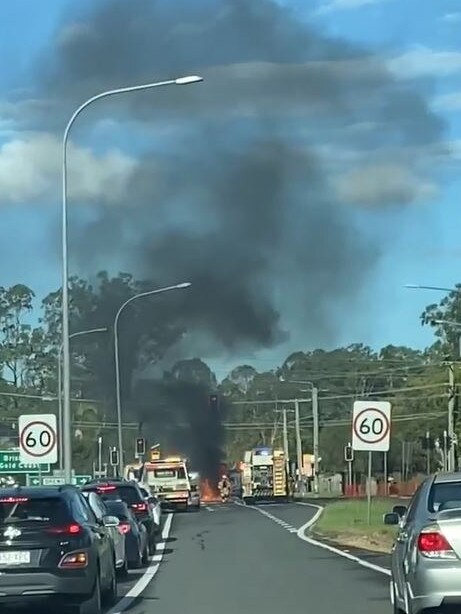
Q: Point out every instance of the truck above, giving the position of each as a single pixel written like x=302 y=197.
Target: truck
x=264 y=476
x=169 y=479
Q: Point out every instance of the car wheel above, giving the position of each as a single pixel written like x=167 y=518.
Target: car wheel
x=93 y=604
x=152 y=545
x=123 y=571
x=145 y=556
x=110 y=594
x=137 y=564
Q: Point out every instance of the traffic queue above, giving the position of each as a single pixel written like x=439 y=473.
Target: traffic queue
x=71 y=545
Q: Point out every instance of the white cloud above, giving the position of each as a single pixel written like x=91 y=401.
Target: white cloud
x=421 y=61
x=448 y=102
x=375 y=185
x=452 y=17
x=30 y=171
x=346 y=5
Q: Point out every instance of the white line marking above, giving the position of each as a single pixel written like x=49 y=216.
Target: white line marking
x=148 y=575
x=346 y=555
x=208 y=508
x=301 y=535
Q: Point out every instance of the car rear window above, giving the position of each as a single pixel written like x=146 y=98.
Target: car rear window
x=39 y=509
x=128 y=494
x=444 y=493
x=117 y=508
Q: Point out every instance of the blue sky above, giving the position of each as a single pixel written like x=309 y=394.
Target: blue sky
x=419 y=39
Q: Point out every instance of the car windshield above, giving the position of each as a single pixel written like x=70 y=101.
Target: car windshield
x=443 y=494
x=24 y=509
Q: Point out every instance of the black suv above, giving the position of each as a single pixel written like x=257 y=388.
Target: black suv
x=129 y=492
x=52 y=547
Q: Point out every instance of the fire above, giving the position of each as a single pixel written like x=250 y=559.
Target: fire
x=209 y=492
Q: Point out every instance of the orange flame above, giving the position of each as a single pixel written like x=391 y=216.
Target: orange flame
x=209 y=492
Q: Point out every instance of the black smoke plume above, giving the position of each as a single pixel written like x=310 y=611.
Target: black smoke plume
x=245 y=188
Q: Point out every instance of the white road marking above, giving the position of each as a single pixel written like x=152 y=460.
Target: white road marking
x=148 y=575
x=208 y=508
x=300 y=533
x=347 y=555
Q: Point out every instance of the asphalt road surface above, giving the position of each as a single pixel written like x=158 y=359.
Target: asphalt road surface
x=229 y=559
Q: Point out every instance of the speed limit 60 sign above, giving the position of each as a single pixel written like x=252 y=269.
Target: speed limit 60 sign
x=38 y=441
x=371 y=426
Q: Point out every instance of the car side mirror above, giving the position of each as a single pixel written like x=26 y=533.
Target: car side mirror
x=401 y=510
x=151 y=500
x=111 y=521
x=392 y=518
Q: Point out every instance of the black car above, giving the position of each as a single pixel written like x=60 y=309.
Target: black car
x=129 y=492
x=136 y=542
x=52 y=547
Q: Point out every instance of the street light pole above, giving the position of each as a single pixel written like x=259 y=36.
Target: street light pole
x=66 y=414
x=60 y=421
x=117 y=362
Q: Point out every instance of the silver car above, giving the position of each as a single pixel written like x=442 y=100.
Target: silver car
x=99 y=509
x=154 y=505
x=426 y=556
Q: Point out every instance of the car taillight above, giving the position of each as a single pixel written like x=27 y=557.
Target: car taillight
x=108 y=488
x=139 y=507
x=433 y=544
x=124 y=528
x=74 y=560
x=68 y=529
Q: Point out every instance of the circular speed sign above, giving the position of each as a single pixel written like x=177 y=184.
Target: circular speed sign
x=38 y=439
x=371 y=425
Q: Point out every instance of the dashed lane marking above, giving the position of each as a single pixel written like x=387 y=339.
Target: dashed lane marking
x=301 y=534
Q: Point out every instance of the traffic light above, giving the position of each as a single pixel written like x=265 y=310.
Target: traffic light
x=348 y=453
x=140 y=446
x=114 y=457
x=214 y=402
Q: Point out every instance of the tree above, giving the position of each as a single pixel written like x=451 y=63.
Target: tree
x=441 y=316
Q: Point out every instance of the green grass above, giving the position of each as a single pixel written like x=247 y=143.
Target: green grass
x=346 y=521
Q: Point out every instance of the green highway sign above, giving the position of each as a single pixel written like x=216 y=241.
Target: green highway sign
x=47 y=481
x=77 y=480
x=10 y=464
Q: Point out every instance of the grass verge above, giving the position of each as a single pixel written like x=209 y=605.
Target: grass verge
x=345 y=522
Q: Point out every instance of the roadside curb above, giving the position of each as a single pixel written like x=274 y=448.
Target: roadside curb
x=301 y=534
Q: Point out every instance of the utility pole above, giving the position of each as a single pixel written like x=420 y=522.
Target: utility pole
x=428 y=452
x=299 y=447
x=285 y=441
x=451 y=416
x=315 y=420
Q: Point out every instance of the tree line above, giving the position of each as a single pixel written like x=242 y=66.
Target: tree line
x=171 y=404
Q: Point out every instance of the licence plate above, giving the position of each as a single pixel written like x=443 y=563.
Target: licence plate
x=14 y=558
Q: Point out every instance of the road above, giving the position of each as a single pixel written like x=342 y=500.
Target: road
x=229 y=559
